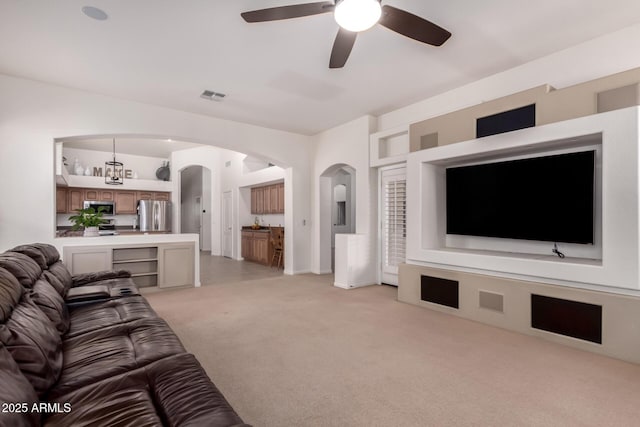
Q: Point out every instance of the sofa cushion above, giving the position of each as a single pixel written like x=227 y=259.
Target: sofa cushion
x=54 y=281
x=60 y=272
x=46 y=251
x=87 y=318
x=22 y=267
x=33 y=252
x=51 y=303
x=17 y=392
x=34 y=344
x=10 y=294
x=110 y=351
x=174 y=391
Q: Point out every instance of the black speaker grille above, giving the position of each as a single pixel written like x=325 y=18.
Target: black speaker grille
x=571 y=318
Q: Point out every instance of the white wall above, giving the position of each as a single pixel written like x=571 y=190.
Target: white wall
x=346 y=144
x=34 y=114
x=596 y=58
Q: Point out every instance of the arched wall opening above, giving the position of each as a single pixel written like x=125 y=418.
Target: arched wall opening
x=337 y=209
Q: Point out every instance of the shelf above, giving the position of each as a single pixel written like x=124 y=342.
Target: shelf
x=125 y=261
x=151 y=273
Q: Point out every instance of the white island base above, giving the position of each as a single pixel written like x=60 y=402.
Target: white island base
x=162 y=260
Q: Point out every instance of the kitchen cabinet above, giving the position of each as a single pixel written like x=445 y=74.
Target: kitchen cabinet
x=256 y=246
x=75 y=199
x=97 y=194
x=153 y=195
x=70 y=199
x=170 y=256
x=126 y=202
x=268 y=199
x=61 y=200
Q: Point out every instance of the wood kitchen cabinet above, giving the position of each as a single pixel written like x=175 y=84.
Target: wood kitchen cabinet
x=268 y=199
x=61 y=200
x=70 y=199
x=153 y=195
x=256 y=247
x=75 y=199
x=98 y=194
x=126 y=202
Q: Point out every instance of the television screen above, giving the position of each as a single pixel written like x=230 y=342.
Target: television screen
x=548 y=198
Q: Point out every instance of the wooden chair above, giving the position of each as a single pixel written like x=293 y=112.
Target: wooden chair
x=277 y=241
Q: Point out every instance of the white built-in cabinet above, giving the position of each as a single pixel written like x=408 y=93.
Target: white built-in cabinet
x=160 y=264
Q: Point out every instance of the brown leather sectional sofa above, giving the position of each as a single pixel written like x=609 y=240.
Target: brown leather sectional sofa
x=105 y=362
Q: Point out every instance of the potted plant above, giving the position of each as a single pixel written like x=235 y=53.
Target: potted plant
x=89 y=219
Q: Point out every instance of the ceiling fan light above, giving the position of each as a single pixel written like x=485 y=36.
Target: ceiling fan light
x=357 y=15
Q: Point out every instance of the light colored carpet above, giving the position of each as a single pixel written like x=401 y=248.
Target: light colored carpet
x=296 y=351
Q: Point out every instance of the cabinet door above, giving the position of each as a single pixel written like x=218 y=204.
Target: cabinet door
x=261 y=248
x=125 y=202
x=246 y=245
x=162 y=196
x=144 y=195
x=266 y=197
x=107 y=195
x=254 y=202
x=75 y=197
x=280 y=191
x=61 y=200
x=176 y=265
x=260 y=201
x=87 y=259
x=91 y=194
x=273 y=199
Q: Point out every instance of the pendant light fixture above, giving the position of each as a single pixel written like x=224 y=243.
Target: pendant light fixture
x=114 y=171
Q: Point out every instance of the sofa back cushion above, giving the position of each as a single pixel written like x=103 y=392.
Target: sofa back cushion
x=22 y=267
x=47 y=298
x=10 y=294
x=34 y=343
x=60 y=272
x=34 y=253
x=17 y=393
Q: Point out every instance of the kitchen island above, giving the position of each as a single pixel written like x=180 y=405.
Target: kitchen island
x=163 y=260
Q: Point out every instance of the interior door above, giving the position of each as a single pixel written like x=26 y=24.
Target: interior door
x=394 y=225
x=197 y=218
x=227 y=225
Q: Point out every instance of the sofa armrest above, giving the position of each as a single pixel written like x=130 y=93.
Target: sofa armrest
x=88 y=278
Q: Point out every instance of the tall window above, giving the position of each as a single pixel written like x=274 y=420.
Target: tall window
x=394 y=227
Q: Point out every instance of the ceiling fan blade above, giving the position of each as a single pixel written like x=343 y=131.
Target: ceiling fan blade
x=287 y=12
x=413 y=26
x=342 y=48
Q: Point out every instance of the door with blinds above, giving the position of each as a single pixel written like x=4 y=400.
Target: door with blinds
x=393 y=216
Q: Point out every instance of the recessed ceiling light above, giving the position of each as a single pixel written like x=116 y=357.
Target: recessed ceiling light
x=95 y=13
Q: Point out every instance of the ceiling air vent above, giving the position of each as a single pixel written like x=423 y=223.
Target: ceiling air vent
x=212 y=96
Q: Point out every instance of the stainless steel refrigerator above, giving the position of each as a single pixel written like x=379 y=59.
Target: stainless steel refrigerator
x=154 y=215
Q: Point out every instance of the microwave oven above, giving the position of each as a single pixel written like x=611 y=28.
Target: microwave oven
x=108 y=207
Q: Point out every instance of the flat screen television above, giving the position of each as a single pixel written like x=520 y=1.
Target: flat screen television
x=549 y=198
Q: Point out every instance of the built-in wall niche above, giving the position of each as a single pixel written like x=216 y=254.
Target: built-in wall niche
x=389 y=147
x=590 y=252
x=611 y=262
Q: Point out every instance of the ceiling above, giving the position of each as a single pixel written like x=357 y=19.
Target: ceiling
x=276 y=74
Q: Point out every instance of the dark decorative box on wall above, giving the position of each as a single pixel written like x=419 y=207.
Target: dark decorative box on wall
x=518 y=118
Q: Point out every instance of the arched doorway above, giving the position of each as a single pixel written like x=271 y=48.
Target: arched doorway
x=337 y=210
x=195 y=197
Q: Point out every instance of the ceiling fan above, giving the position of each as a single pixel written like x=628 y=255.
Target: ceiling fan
x=355 y=16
